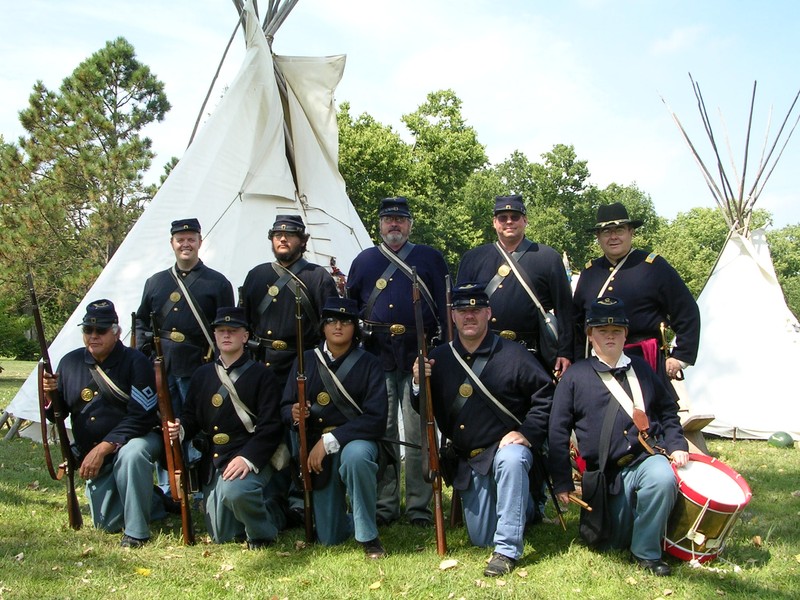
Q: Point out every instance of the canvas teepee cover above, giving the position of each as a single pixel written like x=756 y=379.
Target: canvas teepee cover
x=235 y=177
x=750 y=346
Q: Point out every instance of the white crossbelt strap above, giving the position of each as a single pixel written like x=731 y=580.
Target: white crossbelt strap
x=193 y=308
x=482 y=387
x=616 y=390
x=242 y=411
x=336 y=381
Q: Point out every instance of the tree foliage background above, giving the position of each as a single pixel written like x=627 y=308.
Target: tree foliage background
x=72 y=187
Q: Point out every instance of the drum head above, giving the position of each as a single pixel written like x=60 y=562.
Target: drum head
x=706 y=479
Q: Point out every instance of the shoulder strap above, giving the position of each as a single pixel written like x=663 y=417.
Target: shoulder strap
x=339 y=395
x=107 y=385
x=227 y=380
x=605 y=434
x=618 y=392
x=198 y=316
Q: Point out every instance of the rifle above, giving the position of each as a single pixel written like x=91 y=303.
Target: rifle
x=430 y=445
x=456 y=512
x=132 y=343
x=665 y=348
x=179 y=484
x=305 y=474
x=69 y=464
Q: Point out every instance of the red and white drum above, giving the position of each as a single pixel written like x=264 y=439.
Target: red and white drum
x=712 y=495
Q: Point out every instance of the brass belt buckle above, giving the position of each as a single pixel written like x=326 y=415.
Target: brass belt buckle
x=177 y=336
x=328 y=429
x=625 y=460
x=474 y=453
x=397 y=329
x=221 y=438
x=507 y=334
x=279 y=345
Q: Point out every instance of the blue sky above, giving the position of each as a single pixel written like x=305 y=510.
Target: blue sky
x=531 y=74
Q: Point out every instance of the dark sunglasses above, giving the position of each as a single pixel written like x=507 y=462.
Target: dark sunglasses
x=89 y=330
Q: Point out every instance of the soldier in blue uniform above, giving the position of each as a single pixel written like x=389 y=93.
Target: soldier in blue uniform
x=492 y=398
x=109 y=391
x=268 y=297
x=653 y=293
x=642 y=487
x=185 y=299
x=233 y=403
x=346 y=419
x=380 y=280
x=514 y=313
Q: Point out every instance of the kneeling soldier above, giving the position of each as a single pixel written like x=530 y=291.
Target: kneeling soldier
x=234 y=403
x=347 y=416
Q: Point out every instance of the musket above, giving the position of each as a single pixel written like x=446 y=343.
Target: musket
x=179 y=484
x=132 y=343
x=430 y=445
x=69 y=464
x=305 y=474
x=456 y=512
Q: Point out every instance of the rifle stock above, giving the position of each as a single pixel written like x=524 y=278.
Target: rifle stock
x=430 y=445
x=69 y=464
x=456 y=512
x=132 y=343
x=179 y=484
x=305 y=474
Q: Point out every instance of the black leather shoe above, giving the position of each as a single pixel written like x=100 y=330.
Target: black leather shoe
x=421 y=522
x=373 y=549
x=657 y=567
x=499 y=564
x=132 y=542
x=258 y=544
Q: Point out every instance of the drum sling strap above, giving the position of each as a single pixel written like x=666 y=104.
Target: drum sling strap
x=397 y=261
x=342 y=400
x=634 y=407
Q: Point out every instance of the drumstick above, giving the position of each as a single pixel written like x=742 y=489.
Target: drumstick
x=573 y=498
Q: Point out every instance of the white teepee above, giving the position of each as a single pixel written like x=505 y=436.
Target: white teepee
x=270 y=147
x=746 y=373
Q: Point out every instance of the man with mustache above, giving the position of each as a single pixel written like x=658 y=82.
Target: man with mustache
x=380 y=280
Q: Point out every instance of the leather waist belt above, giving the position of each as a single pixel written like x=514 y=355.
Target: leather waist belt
x=517 y=336
x=273 y=344
x=180 y=338
x=392 y=328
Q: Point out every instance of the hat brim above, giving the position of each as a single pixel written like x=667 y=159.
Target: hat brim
x=632 y=223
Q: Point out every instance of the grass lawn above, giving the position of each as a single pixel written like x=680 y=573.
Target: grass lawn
x=40 y=557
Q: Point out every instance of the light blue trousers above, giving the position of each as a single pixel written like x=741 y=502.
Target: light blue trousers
x=496 y=505
x=236 y=508
x=121 y=496
x=355 y=474
x=639 y=513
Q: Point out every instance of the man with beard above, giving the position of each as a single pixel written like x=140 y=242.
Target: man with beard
x=109 y=391
x=268 y=297
x=380 y=280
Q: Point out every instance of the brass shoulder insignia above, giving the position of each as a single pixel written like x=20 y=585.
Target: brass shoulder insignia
x=588 y=264
x=651 y=257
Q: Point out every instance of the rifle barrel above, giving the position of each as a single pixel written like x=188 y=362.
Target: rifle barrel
x=305 y=474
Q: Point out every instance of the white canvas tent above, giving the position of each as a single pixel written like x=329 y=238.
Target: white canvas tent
x=270 y=147
x=747 y=372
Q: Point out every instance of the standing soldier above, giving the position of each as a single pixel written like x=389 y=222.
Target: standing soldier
x=268 y=298
x=345 y=421
x=185 y=299
x=109 y=391
x=380 y=280
x=234 y=404
x=492 y=399
x=653 y=292
x=517 y=271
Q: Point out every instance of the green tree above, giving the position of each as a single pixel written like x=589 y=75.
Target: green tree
x=784 y=246
x=72 y=187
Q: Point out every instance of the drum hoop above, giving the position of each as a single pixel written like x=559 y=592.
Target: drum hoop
x=700 y=499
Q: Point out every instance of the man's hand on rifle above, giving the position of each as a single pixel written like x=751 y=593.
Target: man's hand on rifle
x=49 y=382
x=237 y=467
x=296 y=412
x=174 y=429
x=673 y=367
x=428 y=364
x=316 y=456
x=561 y=366
x=93 y=462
